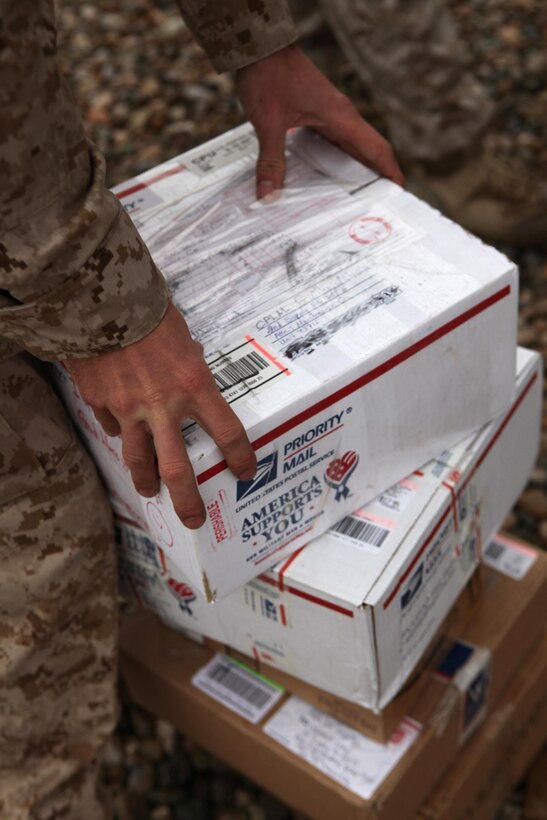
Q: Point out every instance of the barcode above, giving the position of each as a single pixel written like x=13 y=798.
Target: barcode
x=362 y=531
x=237 y=682
x=245 y=368
x=494 y=550
x=237 y=688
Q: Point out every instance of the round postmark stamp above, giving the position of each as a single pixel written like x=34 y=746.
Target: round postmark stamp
x=159 y=524
x=369 y=230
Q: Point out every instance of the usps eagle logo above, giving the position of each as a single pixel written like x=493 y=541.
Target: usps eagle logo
x=266 y=472
x=182 y=593
x=339 y=471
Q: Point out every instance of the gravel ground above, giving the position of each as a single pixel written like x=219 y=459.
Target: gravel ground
x=147 y=92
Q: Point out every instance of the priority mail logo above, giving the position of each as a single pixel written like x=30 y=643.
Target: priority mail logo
x=412 y=586
x=475 y=698
x=266 y=472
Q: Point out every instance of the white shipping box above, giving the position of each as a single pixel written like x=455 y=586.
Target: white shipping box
x=355 y=331
x=354 y=611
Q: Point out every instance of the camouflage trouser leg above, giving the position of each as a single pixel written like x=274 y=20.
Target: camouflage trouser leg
x=57 y=608
x=409 y=54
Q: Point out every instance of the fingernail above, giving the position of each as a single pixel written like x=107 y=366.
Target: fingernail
x=264 y=187
x=248 y=475
x=271 y=198
x=147 y=492
x=195 y=522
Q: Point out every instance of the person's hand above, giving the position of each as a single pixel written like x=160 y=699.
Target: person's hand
x=286 y=90
x=144 y=392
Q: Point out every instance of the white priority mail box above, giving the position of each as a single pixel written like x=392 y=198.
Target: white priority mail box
x=353 y=611
x=354 y=330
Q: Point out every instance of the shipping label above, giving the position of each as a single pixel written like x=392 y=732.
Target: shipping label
x=347 y=756
x=238 y=688
x=509 y=557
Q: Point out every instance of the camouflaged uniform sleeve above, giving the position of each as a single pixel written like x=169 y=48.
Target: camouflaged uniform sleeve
x=76 y=277
x=235 y=33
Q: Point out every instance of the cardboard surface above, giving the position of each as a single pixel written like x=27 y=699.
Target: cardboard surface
x=162 y=683
x=377 y=604
x=500 y=753
x=354 y=330
x=379 y=726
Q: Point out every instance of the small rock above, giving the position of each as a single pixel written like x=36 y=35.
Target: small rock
x=272 y=808
x=152 y=749
x=141 y=779
x=151 y=152
x=121 y=807
x=112 y=752
x=510 y=522
x=200 y=760
x=255 y=812
x=161 y=813
x=534 y=503
x=510 y=34
x=222 y=790
x=193 y=809
x=231 y=814
x=142 y=722
x=539 y=476
x=526 y=336
x=150 y=87
x=167 y=736
x=97 y=116
x=242 y=798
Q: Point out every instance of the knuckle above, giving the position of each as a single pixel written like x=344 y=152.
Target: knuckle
x=194 y=378
x=173 y=471
x=229 y=435
x=265 y=164
x=136 y=458
x=186 y=511
x=121 y=405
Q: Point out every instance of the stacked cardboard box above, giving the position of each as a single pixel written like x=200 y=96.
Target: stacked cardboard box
x=357 y=333
x=491 y=676
x=354 y=612
x=354 y=330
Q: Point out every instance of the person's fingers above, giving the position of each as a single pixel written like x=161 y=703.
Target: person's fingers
x=219 y=420
x=176 y=471
x=107 y=421
x=270 y=166
x=138 y=453
x=359 y=139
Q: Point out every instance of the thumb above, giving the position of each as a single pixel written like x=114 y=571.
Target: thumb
x=270 y=167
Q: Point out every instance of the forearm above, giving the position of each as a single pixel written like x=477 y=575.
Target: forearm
x=81 y=280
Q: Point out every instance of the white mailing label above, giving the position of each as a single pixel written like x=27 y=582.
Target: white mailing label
x=508 y=557
x=348 y=757
x=237 y=688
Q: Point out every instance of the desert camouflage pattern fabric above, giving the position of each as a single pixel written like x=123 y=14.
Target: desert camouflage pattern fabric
x=237 y=32
x=410 y=56
x=58 y=607
x=77 y=280
x=76 y=277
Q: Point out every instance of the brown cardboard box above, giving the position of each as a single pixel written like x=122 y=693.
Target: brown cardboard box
x=499 y=754
x=483 y=603
x=245 y=746
x=509 y=624
x=377 y=725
